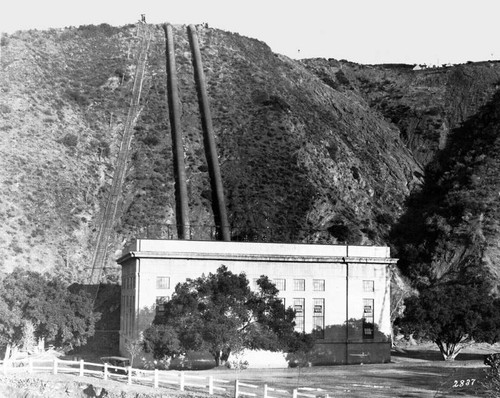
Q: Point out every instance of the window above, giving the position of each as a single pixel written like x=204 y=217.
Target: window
x=368 y=286
x=298 y=306
x=160 y=304
x=319 y=318
x=368 y=319
x=280 y=284
x=299 y=284
x=163 y=282
x=319 y=285
x=282 y=301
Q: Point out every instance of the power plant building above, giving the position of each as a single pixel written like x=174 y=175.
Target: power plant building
x=339 y=292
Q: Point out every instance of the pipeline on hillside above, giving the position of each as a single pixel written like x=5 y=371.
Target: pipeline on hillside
x=181 y=196
x=220 y=213
x=100 y=254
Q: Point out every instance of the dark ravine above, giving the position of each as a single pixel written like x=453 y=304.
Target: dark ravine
x=314 y=150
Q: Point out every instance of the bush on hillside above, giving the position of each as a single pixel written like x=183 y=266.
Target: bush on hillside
x=69 y=140
x=4 y=41
x=78 y=97
x=104 y=29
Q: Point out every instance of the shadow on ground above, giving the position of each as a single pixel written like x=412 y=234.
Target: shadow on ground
x=434 y=355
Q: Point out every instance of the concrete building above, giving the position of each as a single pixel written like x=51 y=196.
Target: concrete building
x=340 y=292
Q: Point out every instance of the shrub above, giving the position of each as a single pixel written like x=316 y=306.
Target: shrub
x=69 y=140
x=14 y=246
x=4 y=108
x=237 y=363
x=4 y=41
x=151 y=140
x=78 y=97
x=122 y=73
x=90 y=31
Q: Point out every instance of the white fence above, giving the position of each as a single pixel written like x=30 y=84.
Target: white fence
x=252 y=390
x=154 y=378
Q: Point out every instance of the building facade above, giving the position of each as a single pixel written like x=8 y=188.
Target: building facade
x=341 y=293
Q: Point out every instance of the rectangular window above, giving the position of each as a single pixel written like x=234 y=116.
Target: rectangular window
x=319 y=318
x=319 y=285
x=280 y=284
x=298 y=306
x=299 y=285
x=368 y=286
x=160 y=304
x=163 y=282
x=368 y=319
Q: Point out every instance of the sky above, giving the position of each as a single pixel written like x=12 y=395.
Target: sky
x=432 y=32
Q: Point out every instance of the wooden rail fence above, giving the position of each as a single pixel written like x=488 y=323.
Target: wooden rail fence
x=154 y=378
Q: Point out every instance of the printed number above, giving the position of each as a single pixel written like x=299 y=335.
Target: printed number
x=461 y=383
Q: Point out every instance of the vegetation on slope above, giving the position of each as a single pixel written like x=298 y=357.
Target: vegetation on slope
x=451 y=227
x=64 y=96
x=290 y=162
x=447 y=118
x=316 y=150
x=424 y=104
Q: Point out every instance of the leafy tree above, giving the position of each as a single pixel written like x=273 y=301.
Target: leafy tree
x=59 y=316
x=221 y=314
x=162 y=341
x=452 y=315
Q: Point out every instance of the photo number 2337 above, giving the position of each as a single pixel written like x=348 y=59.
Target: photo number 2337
x=463 y=383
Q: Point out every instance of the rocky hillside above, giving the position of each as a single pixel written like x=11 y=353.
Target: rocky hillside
x=451 y=228
x=316 y=150
x=425 y=104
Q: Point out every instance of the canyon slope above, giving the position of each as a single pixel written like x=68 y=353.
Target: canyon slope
x=316 y=150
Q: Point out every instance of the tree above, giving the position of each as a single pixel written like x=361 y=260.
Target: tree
x=220 y=313
x=453 y=315
x=59 y=316
x=162 y=341
x=134 y=348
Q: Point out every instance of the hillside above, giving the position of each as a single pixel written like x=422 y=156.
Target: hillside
x=454 y=221
x=425 y=104
x=315 y=150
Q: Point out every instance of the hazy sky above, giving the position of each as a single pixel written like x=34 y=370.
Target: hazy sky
x=363 y=31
